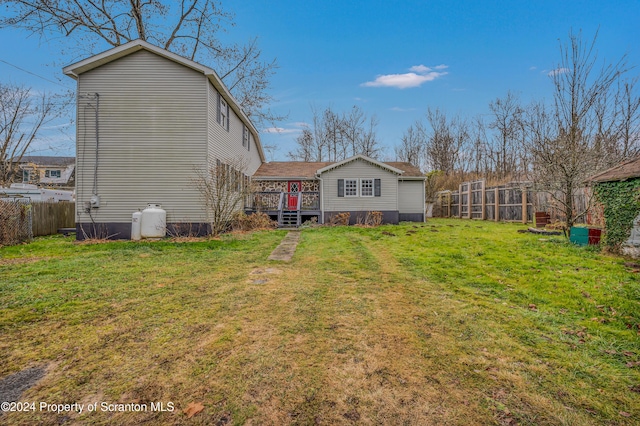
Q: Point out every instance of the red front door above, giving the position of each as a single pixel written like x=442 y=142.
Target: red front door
x=294 y=187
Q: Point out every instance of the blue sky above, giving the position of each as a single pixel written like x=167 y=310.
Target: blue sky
x=392 y=59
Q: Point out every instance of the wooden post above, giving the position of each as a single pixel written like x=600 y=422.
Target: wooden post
x=524 y=205
x=483 y=216
x=449 y=204
x=460 y=201
x=469 y=202
x=497 y=204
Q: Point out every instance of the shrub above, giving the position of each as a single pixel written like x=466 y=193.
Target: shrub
x=340 y=219
x=252 y=222
x=313 y=222
x=373 y=219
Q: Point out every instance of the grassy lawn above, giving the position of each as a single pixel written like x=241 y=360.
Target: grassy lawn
x=448 y=322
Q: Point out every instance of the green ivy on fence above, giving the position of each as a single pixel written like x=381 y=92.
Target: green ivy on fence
x=621 y=201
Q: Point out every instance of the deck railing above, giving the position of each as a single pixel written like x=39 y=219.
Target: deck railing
x=277 y=201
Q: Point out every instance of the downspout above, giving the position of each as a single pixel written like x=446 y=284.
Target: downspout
x=95 y=170
x=321 y=194
x=424 y=202
x=397 y=196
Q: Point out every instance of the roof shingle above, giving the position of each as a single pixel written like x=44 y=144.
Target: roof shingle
x=307 y=169
x=628 y=170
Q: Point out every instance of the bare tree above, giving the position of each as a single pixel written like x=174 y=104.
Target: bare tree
x=507 y=120
x=353 y=125
x=22 y=117
x=224 y=188
x=567 y=140
x=628 y=110
x=369 y=144
x=445 y=142
x=412 y=144
x=481 y=164
x=189 y=28
x=334 y=136
x=305 y=150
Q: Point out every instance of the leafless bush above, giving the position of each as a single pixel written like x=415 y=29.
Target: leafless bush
x=311 y=223
x=224 y=188
x=96 y=232
x=252 y=222
x=373 y=219
x=340 y=219
x=186 y=230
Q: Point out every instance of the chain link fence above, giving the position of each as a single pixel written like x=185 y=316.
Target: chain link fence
x=16 y=222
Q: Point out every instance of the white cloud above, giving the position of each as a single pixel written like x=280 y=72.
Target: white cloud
x=533 y=68
x=558 y=71
x=279 y=130
x=295 y=127
x=419 y=74
x=398 y=109
x=441 y=67
x=420 y=69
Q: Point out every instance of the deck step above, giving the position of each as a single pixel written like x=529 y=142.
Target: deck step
x=289 y=219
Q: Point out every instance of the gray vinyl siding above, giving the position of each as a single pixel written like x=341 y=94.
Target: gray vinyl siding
x=411 y=196
x=360 y=169
x=153 y=133
x=226 y=146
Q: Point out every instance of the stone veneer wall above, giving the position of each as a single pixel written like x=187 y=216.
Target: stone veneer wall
x=282 y=185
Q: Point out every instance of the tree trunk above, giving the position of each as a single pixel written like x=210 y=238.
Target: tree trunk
x=568 y=206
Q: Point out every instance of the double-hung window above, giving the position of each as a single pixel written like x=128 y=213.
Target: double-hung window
x=351 y=187
x=245 y=137
x=366 y=187
x=224 y=113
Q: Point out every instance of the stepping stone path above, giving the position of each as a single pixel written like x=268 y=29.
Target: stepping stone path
x=284 y=252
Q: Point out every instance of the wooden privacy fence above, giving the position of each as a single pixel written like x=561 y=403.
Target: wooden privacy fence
x=48 y=217
x=515 y=202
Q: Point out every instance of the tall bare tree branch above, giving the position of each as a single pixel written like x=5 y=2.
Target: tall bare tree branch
x=190 y=28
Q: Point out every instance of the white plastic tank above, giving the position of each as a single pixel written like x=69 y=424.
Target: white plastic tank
x=154 y=222
x=136 y=221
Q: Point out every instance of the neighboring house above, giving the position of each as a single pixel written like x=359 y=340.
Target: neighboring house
x=48 y=171
x=296 y=191
x=147 y=120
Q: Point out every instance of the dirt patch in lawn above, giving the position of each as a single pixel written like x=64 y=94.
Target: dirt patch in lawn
x=22 y=260
x=13 y=386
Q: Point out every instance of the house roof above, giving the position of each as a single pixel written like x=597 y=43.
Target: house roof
x=43 y=160
x=628 y=170
x=409 y=169
x=74 y=71
x=360 y=157
x=309 y=169
x=290 y=169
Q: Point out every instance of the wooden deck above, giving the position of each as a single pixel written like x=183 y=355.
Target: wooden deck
x=289 y=208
